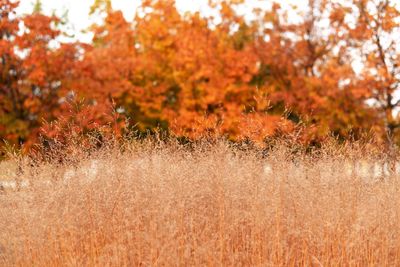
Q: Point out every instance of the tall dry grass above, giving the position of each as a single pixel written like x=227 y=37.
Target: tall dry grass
x=153 y=204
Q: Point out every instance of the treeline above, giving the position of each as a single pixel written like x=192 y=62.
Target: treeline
x=330 y=70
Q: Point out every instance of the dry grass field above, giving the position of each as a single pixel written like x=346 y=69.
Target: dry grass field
x=150 y=204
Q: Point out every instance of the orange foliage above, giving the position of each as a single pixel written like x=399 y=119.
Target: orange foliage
x=191 y=75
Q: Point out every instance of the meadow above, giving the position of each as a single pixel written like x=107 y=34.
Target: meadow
x=150 y=203
x=230 y=134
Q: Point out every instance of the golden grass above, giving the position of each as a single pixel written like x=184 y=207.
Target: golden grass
x=211 y=205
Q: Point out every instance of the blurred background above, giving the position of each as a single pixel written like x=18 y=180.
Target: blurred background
x=243 y=69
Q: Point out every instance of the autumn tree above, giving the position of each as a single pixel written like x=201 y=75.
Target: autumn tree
x=197 y=74
x=307 y=69
x=171 y=69
x=11 y=104
x=373 y=31
x=248 y=78
x=36 y=70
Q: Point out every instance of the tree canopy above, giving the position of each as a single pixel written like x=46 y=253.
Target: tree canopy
x=335 y=71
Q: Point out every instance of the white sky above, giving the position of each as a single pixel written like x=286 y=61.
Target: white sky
x=79 y=10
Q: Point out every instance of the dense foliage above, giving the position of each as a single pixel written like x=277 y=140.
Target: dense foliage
x=194 y=74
